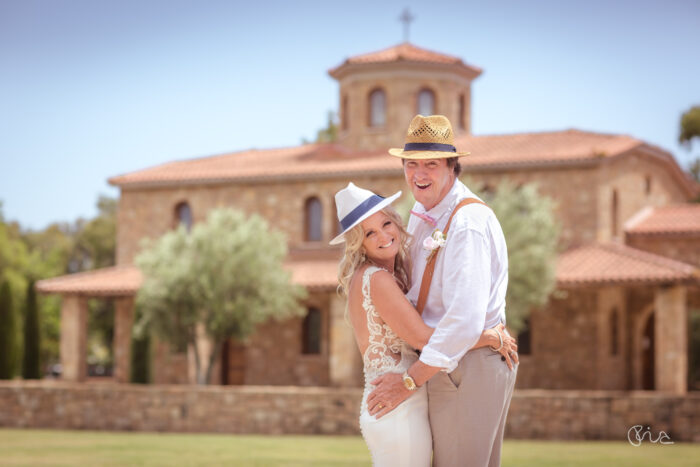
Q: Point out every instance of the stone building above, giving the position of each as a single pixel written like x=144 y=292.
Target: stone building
x=626 y=279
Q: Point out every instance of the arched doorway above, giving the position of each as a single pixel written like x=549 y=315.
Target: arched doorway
x=647 y=349
x=233 y=362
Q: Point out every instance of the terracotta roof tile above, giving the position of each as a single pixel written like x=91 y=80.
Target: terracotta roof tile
x=334 y=160
x=406 y=52
x=125 y=280
x=303 y=161
x=111 y=282
x=682 y=219
x=315 y=274
x=542 y=148
x=609 y=263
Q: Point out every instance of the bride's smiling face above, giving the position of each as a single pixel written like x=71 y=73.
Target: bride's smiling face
x=381 y=238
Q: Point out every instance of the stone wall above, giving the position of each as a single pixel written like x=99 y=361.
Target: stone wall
x=564 y=344
x=572 y=415
x=680 y=248
x=536 y=414
x=571 y=189
x=273 y=355
x=150 y=213
x=639 y=180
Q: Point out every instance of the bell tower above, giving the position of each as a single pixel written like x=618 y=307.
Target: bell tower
x=380 y=92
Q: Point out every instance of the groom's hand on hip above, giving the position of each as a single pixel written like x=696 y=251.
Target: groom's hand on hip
x=388 y=394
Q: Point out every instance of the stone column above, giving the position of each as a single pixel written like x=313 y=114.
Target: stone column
x=123 y=322
x=73 y=345
x=671 y=339
x=343 y=355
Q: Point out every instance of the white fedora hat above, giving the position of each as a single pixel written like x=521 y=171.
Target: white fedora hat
x=356 y=204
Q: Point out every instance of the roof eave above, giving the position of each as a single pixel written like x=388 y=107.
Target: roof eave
x=154 y=184
x=587 y=284
x=467 y=71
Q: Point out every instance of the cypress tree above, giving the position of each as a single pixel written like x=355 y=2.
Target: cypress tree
x=7 y=331
x=141 y=359
x=31 y=368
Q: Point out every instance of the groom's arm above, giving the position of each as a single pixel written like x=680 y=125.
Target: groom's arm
x=465 y=282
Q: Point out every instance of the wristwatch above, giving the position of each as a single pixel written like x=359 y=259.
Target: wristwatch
x=408 y=382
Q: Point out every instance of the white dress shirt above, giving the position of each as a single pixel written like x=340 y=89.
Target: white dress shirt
x=468 y=290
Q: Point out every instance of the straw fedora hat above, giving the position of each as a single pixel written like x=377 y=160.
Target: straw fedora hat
x=356 y=204
x=428 y=138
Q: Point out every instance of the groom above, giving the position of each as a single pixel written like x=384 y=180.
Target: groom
x=469 y=392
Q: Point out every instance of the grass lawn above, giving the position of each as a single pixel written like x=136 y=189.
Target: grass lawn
x=54 y=447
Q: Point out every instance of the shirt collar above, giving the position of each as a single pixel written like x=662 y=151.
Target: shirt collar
x=449 y=201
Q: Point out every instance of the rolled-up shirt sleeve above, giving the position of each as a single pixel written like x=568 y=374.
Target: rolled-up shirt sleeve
x=465 y=277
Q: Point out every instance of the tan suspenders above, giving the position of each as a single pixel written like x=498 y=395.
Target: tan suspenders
x=430 y=266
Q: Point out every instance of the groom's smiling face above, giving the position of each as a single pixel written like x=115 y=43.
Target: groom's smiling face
x=429 y=179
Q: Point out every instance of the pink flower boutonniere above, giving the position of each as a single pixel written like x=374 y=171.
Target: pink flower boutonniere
x=436 y=240
x=434 y=243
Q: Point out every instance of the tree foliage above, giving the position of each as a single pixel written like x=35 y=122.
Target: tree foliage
x=689 y=132
x=141 y=358
x=31 y=367
x=329 y=134
x=224 y=277
x=58 y=249
x=7 y=332
x=690 y=126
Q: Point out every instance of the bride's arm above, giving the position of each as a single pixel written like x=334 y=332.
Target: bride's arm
x=396 y=311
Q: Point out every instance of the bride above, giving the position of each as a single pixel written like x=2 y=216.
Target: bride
x=374 y=275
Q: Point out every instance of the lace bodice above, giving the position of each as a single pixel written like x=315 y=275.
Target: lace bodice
x=385 y=348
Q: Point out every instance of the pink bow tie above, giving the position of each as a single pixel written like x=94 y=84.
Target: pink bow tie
x=426 y=218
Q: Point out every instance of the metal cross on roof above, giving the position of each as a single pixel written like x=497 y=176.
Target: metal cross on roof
x=406 y=18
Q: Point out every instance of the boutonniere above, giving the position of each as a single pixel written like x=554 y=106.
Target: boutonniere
x=434 y=243
x=436 y=240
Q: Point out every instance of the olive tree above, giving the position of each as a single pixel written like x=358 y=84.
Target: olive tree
x=223 y=277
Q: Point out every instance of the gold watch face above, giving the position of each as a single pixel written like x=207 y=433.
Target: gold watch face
x=409 y=383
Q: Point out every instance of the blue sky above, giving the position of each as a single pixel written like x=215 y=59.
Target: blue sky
x=92 y=89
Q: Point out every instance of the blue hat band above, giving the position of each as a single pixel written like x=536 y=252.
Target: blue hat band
x=429 y=147
x=359 y=211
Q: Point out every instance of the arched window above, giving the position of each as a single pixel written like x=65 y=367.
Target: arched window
x=461 y=116
x=377 y=108
x=311 y=332
x=647 y=185
x=426 y=102
x=312 y=220
x=344 y=124
x=614 y=332
x=614 y=202
x=524 y=339
x=337 y=228
x=183 y=215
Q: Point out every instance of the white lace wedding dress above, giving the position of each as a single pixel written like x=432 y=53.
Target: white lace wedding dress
x=402 y=437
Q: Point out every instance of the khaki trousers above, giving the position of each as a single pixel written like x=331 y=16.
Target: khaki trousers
x=468 y=409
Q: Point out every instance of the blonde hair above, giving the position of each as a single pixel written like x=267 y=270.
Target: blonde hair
x=354 y=256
